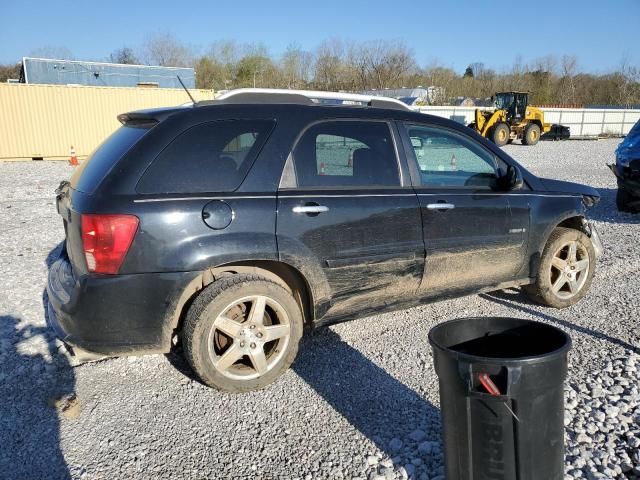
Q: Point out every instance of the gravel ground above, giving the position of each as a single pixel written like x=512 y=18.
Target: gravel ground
x=361 y=400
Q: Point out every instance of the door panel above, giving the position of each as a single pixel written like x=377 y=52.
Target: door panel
x=472 y=238
x=470 y=246
x=349 y=212
x=369 y=246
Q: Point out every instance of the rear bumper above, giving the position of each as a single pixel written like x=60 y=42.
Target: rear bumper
x=113 y=314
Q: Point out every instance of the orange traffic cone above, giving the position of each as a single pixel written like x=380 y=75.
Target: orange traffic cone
x=321 y=169
x=74 y=159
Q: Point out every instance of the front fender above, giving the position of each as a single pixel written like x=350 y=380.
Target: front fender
x=548 y=212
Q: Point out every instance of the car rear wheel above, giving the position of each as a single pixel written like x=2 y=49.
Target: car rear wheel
x=565 y=270
x=242 y=332
x=500 y=134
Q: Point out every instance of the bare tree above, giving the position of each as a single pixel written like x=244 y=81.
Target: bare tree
x=629 y=88
x=211 y=75
x=296 y=66
x=330 y=65
x=381 y=63
x=165 y=50
x=477 y=69
x=226 y=55
x=567 y=88
x=10 y=71
x=123 y=55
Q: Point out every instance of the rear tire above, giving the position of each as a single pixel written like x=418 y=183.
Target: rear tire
x=565 y=270
x=242 y=332
x=500 y=134
x=531 y=134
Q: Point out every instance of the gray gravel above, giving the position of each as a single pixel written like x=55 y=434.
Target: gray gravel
x=361 y=400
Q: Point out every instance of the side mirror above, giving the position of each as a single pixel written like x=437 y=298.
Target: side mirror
x=511 y=180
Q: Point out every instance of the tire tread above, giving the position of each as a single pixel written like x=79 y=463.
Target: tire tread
x=190 y=329
x=538 y=291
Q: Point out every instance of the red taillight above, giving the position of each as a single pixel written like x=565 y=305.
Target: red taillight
x=106 y=240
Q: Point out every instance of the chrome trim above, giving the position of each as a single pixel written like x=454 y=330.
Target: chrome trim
x=183 y=199
x=310 y=209
x=310 y=195
x=351 y=195
x=501 y=194
x=440 y=206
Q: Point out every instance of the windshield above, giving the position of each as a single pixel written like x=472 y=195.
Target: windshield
x=504 y=100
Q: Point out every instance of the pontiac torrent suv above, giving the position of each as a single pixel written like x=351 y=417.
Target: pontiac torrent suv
x=231 y=225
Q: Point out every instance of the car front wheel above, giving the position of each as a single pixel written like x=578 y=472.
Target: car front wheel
x=242 y=332
x=565 y=270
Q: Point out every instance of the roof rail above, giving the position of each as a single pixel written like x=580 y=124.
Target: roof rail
x=304 y=97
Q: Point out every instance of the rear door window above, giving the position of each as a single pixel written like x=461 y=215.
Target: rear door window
x=346 y=154
x=210 y=157
x=90 y=173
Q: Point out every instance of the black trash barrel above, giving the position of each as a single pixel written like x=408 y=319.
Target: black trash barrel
x=501 y=398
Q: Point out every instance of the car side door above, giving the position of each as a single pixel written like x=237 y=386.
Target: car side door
x=345 y=204
x=471 y=236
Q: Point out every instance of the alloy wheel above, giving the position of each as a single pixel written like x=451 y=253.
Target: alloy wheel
x=569 y=269
x=249 y=337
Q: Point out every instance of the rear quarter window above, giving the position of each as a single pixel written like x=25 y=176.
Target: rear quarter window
x=92 y=171
x=210 y=157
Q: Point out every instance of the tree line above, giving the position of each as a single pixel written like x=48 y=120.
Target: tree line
x=340 y=65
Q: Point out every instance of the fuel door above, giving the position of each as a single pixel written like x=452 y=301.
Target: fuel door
x=217 y=214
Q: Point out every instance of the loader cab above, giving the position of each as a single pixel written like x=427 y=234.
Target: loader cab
x=514 y=103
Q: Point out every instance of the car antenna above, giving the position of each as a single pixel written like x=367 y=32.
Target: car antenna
x=193 y=100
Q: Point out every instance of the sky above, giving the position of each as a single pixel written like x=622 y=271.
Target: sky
x=452 y=33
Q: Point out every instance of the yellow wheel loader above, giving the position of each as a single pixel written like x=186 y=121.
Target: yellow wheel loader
x=512 y=118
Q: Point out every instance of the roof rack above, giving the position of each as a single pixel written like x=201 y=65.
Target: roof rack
x=304 y=97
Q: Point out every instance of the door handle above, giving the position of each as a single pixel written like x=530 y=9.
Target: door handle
x=310 y=209
x=440 y=206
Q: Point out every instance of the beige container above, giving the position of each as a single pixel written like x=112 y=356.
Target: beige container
x=44 y=121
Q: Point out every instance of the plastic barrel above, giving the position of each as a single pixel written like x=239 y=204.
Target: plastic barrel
x=501 y=398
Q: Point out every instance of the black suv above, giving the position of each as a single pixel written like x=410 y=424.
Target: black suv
x=229 y=226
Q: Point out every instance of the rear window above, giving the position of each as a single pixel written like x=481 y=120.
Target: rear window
x=210 y=157
x=91 y=172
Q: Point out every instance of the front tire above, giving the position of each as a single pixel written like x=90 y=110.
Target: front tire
x=565 y=270
x=500 y=134
x=242 y=332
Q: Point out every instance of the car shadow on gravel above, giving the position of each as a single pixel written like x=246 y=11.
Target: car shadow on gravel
x=607 y=211
x=374 y=402
x=37 y=384
x=380 y=407
x=516 y=299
